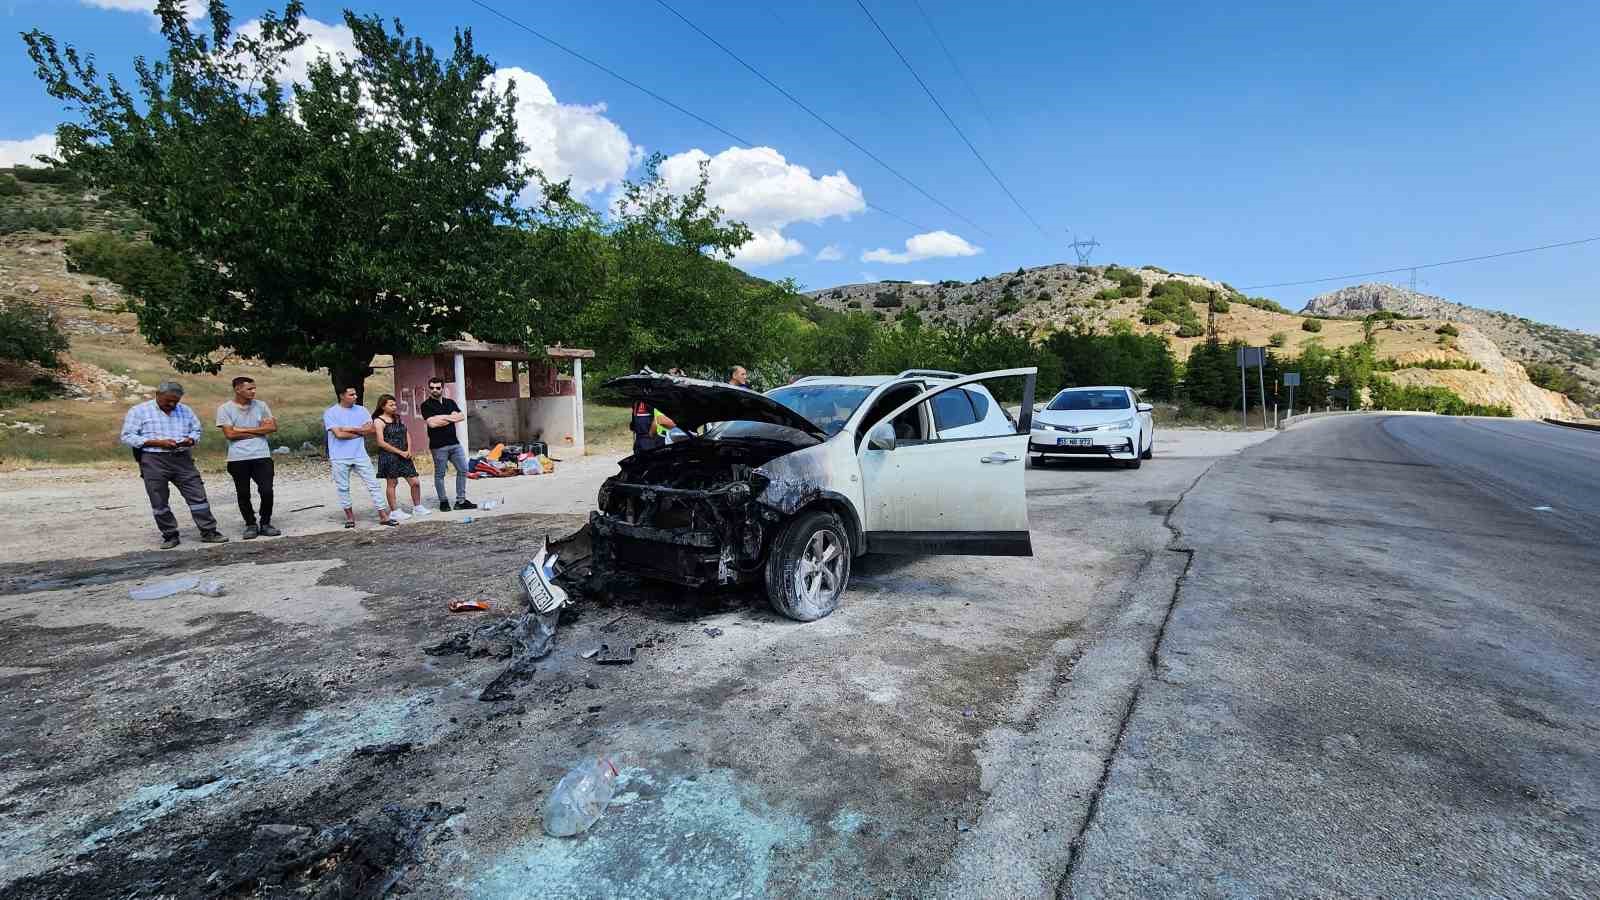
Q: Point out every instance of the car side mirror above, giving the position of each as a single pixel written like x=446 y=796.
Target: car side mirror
x=1144 y=407
x=881 y=437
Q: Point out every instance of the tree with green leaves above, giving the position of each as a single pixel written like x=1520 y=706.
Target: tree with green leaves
x=363 y=211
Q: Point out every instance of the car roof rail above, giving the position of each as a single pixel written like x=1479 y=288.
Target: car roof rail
x=805 y=378
x=936 y=373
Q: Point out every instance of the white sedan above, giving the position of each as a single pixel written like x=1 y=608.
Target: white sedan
x=1095 y=421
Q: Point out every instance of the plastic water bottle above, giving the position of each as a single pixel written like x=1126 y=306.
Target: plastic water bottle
x=163 y=589
x=580 y=798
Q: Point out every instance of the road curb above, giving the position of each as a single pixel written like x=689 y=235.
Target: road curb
x=1583 y=426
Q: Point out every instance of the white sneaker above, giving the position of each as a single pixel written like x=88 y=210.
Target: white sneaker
x=420 y=511
x=397 y=515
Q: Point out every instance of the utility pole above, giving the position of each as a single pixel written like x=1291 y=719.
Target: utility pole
x=1082 y=248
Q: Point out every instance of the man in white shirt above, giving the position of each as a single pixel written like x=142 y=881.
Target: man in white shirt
x=162 y=432
x=348 y=423
x=246 y=422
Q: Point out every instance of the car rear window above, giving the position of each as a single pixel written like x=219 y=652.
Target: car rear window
x=1090 y=399
x=952 y=409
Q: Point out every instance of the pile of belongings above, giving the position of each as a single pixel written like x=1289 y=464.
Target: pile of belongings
x=505 y=461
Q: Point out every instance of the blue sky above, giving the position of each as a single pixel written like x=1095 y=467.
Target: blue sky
x=1256 y=143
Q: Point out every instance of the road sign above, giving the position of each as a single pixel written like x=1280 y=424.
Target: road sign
x=1291 y=379
x=1252 y=356
x=1339 y=394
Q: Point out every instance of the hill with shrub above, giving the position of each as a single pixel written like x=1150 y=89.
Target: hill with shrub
x=1182 y=308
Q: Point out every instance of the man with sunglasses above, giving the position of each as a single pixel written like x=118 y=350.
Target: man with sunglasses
x=441 y=414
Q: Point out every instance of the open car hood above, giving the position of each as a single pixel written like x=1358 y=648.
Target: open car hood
x=691 y=403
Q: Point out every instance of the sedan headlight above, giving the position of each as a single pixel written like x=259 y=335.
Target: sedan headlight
x=1124 y=425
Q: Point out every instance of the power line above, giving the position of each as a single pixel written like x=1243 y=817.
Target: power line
x=947 y=118
x=690 y=113
x=818 y=116
x=954 y=65
x=1432 y=265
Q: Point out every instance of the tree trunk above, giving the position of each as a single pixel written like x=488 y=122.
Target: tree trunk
x=351 y=374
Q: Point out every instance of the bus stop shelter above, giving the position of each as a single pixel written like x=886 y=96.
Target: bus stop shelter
x=510 y=395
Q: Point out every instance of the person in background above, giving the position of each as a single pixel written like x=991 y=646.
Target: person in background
x=740 y=377
x=348 y=423
x=246 y=422
x=162 y=432
x=394 y=454
x=666 y=429
x=441 y=413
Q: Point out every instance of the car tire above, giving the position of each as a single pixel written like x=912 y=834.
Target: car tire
x=808 y=567
x=1150 y=451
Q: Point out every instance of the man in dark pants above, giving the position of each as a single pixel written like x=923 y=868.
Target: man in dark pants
x=441 y=415
x=162 y=432
x=246 y=422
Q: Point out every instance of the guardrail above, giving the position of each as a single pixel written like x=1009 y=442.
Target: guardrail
x=1566 y=424
x=1302 y=417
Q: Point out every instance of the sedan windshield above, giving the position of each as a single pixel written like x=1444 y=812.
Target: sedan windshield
x=1090 y=399
x=829 y=406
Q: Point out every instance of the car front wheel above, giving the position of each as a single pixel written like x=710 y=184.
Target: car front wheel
x=808 y=567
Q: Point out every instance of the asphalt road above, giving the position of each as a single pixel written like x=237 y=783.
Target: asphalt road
x=1380 y=675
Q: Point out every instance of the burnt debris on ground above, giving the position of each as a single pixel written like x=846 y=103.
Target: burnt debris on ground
x=263 y=853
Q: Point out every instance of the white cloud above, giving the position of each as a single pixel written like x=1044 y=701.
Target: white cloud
x=869 y=276
x=192 y=9
x=757 y=186
x=830 y=253
x=929 y=245
x=568 y=140
x=768 y=246
x=920 y=281
x=22 y=152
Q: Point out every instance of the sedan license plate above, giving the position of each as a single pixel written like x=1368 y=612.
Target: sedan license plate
x=1074 y=442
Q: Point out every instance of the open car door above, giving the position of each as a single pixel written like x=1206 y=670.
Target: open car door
x=960 y=495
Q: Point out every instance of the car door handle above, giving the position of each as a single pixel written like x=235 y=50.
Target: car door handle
x=998 y=457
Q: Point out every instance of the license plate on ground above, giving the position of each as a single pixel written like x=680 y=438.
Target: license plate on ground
x=1074 y=442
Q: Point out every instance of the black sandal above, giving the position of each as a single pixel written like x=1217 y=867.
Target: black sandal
x=349 y=524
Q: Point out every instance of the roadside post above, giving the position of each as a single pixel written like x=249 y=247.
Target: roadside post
x=1246 y=357
x=1291 y=380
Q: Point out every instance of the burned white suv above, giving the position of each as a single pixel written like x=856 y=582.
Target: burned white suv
x=786 y=488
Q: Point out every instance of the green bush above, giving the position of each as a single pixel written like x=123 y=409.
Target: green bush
x=1191 y=329
x=31 y=334
x=887 y=300
x=9 y=186
x=1311 y=325
x=1129 y=284
x=49 y=219
x=1464 y=365
x=1042 y=296
x=1448 y=330
x=1151 y=316
x=1388 y=395
x=1261 y=303
x=852 y=304
x=34 y=175
x=1278 y=339
x=1219 y=305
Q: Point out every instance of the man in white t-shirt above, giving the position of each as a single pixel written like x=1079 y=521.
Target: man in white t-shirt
x=348 y=423
x=246 y=422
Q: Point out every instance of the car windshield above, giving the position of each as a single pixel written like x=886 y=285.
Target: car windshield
x=1090 y=399
x=829 y=406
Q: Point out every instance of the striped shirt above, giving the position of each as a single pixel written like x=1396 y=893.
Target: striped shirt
x=147 y=422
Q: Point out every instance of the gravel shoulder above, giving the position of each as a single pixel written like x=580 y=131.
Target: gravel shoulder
x=198 y=743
